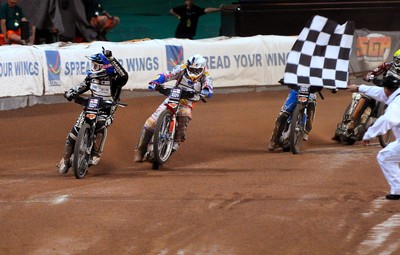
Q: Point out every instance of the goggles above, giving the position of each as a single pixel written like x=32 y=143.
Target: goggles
x=96 y=66
x=197 y=71
x=396 y=60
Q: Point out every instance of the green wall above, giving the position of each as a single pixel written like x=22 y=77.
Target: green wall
x=151 y=19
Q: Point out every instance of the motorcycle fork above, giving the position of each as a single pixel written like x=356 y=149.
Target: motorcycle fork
x=91 y=119
x=304 y=99
x=173 y=108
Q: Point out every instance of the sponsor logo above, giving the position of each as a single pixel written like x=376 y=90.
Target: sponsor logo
x=373 y=48
x=174 y=55
x=53 y=61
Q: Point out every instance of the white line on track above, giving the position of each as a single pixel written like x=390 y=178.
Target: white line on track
x=377 y=238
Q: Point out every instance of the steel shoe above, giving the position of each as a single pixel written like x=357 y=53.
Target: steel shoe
x=94 y=160
x=175 y=146
x=137 y=156
x=63 y=166
x=272 y=146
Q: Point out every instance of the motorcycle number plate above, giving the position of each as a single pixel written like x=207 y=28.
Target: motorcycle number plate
x=304 y=89
x=93 y=103
x=175 y=94
x=303 y=99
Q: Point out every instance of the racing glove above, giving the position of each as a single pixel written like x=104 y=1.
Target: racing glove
x=107 y=53
x=206 y=93
x=106 y=61
x=153 y=86
x=70 y=94
x=369 y=76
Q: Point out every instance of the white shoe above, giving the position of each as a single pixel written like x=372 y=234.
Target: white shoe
x=94 y=161
x=63 y=166
x=305 y=137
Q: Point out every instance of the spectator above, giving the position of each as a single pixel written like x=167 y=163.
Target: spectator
x=188 y=16
x=99 y=18
x=11 y=18
x=76 y=27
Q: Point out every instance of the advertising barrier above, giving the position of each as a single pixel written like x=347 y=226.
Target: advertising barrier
x=53 y=68
x=21 y=71
x=50 y=69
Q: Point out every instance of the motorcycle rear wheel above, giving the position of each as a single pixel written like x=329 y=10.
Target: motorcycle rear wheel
x=297 y=128
x=163 y=138
x=82 y=151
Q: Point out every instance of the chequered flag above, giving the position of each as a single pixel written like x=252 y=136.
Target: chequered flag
x=320 y=56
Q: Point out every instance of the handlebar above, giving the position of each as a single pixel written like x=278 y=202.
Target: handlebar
x=82 y=101
x=185 y=94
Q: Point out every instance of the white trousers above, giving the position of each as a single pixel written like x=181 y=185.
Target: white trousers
x=388 y=159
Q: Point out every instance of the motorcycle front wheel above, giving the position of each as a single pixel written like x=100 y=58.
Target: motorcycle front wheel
x=163 y=138
x=343 y=126
x=388 y=137
x=299 y=119
x=82 y=151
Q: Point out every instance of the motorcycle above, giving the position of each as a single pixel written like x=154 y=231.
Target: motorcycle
x=373 y=111
x=94 y=109
x=160 y=147
x=295 y=126
x=348 y=135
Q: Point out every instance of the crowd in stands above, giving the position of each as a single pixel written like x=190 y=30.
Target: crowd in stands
x=28 y=22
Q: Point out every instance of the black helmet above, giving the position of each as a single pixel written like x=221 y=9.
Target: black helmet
x=390 y=82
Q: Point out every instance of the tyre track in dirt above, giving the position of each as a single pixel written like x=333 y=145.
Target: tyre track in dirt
x=221 y=193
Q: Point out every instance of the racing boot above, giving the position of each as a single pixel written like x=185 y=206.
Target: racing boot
x=98 y=146
x=180 y=135
x=277 y=132
x=65 y=163
x=360 y=108
x=141 y=147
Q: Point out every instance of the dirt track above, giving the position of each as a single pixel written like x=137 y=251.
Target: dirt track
x=221 y=193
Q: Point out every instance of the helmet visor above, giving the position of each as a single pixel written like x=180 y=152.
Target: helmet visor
x=96 y=66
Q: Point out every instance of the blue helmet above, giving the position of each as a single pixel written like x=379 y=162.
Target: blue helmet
x=100 y=66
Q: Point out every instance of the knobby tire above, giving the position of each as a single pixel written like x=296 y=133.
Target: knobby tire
x=82 y=151
x=297 y=128
x=163 y=138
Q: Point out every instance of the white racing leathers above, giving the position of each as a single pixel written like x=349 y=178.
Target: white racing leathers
x=389 y=157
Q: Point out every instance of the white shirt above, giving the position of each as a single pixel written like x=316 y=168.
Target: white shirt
x=391 y=118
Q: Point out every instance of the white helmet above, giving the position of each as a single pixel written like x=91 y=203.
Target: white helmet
x=195 y=66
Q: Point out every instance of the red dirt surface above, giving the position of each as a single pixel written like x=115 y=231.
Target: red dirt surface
x=221 y=193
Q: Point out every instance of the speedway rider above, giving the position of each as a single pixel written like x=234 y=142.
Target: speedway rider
x=105 y=79
x=286 y=110
x=385 y=69
x=194 y=79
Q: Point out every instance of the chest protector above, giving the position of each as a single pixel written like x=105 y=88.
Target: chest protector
x=101 y=87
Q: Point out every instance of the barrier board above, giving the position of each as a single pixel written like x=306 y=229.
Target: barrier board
x=54 y=68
